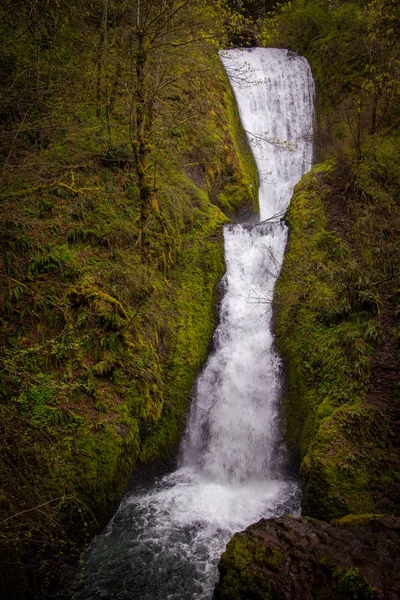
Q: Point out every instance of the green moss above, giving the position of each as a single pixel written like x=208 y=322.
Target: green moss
x=327 y=327
x=358 y=520
x=101 y=345
x=352 y=583
x=243 y=566
x=192 y=285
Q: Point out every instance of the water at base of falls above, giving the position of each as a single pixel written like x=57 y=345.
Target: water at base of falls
x=164 y=543
x=165 y=540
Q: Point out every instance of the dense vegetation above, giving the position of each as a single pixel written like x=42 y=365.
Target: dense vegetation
x=121 y=158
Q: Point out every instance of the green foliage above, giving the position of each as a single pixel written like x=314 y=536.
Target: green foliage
x=328 y=325
x=117 y=155
x=101 y=342
x=59 y=260
x=353 y=584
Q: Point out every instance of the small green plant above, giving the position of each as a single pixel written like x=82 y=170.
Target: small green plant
x=59 y=259
x=352 y=583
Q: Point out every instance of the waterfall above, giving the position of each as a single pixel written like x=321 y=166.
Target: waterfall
x=165 y=540
x=274 y=90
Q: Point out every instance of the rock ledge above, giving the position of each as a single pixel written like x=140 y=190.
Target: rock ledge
x=354 y=558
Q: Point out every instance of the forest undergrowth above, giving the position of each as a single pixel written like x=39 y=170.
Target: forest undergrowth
x=122 y=156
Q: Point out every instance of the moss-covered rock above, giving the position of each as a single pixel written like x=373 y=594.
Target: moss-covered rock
x=354 y=558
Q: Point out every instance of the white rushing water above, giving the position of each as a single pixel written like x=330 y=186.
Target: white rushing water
x=165 y=540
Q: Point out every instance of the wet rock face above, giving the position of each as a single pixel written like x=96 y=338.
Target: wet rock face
x=355 y=558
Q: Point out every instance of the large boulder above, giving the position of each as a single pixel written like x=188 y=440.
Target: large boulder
x=354 y=558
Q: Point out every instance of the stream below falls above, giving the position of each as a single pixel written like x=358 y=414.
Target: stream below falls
x=165 y=540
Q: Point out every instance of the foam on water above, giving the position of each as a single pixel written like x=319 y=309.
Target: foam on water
x=165 y=540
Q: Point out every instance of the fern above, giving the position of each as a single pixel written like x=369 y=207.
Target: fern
x=58 y=260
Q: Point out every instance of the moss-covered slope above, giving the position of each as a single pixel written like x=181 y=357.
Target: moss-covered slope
x=337 y=298
x=102 y=337
x=332 y=320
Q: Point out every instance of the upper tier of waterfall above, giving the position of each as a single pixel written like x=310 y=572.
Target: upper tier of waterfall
x=274 y=90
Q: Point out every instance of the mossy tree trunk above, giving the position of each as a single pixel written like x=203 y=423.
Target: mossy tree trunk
x=158 y=26
x=141 y=129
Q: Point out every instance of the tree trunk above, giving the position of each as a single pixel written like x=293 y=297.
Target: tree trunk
x=140 y=142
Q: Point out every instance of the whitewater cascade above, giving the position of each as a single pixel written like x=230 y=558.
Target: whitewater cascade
x=165 y=540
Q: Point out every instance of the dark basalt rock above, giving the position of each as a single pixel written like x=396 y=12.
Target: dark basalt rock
x=354 y=558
